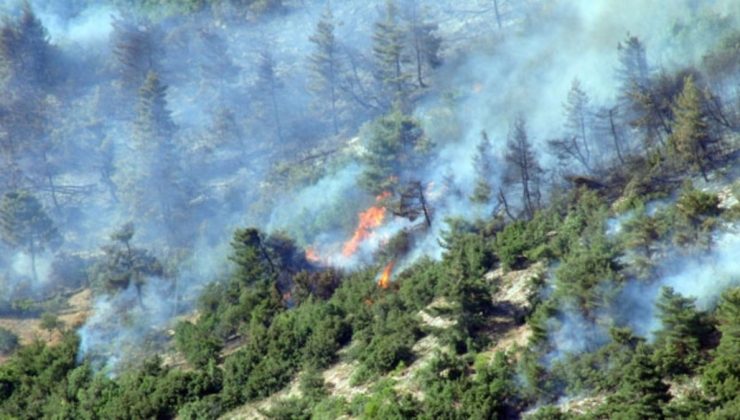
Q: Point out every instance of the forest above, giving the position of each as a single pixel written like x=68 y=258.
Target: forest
x=434 y=209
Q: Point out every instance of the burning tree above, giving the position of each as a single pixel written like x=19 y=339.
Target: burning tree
x=396 y=150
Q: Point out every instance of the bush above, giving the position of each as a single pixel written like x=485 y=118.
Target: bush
x=8 y=341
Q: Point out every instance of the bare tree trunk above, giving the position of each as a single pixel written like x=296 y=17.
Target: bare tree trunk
x=615 y=137
x=265 y=255
x=502 y=197
x=33 y=263
x=424 y=208
x=498 y=15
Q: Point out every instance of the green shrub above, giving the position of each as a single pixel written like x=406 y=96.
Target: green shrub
x=8 y=341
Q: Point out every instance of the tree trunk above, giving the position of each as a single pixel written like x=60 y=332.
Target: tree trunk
x=424 y=205
x=33 y=263
x=502 y=197
x=498 y=15
x=613 y=129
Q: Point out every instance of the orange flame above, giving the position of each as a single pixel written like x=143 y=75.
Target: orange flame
x=385 y=278
x=312 y=255
x=369 y=220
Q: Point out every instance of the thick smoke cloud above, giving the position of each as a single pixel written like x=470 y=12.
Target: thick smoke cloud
x=490 y=77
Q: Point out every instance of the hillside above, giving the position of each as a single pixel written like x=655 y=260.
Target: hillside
x=283 y=209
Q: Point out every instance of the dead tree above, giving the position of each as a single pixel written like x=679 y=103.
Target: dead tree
x=412 y=203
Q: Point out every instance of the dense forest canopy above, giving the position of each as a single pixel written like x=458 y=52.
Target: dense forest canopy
x=387 y=209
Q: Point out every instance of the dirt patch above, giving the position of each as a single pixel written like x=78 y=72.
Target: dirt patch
x=29 y=330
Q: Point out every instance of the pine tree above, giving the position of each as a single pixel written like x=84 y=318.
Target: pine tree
x=155 y=191
x=25 y=225
x=325 y=67
x=26 y=56
x=251 y=256
x=635 y=96
x=391 y=57
x=124 y=265
x=268 y=88
x=395 y=152
x=678 y=341
x=578 y=123
x=523 y=167
x=425 y=43
x=136 y=49
x=691 y=138
x=642 y=393
x=483 y=164
x=721 y=377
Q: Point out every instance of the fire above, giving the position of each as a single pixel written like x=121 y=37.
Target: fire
x=312 y=255
x=385 y=278
x=369 y=220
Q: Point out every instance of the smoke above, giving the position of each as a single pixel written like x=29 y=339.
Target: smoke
x=702 y=276
x=134 y=323
x=490 y=77
x=87 y=27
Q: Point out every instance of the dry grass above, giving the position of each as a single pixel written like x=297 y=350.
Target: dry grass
x=29 y=330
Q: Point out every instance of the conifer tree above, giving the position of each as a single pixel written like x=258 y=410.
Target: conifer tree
x=483 y=164
x=577 y=124
x=155 y=191
x=268 y=87
x=123 y=264
x=325 y=68
x=634 y=93
x=395 y=152
x=691 y=138
x=136 y=49
x=26 y=56
x=425 y=43
x=25 y=225
x=642 y=393
x=721 y=377
x=523 y=167
x=391 y=57
x=678 y=341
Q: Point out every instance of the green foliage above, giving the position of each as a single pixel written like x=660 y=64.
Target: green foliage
x=642 y=393
x=326 y=69
x=50 y=322
x=25 y=225
x=696 y=213
x=198 y=345
x=690 y=135
x=396 y=148
x=586 y=274
x=678 y=342
x=391 y=56
x=721 y=377
x=452 y=392
x=386 y=403
x=483 y=165
x=8 y=341
x=598 y=371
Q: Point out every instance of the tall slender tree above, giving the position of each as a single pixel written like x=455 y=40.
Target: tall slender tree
x=578 y=118
x=523 y=167
x=424 y=40
x=268 y=87
x=25 y=225
x=391 y=56
x=721 y=377
x=483 y=165
x=691 y=138
x=153 y=182
x=642 y=393
x=325 y=68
